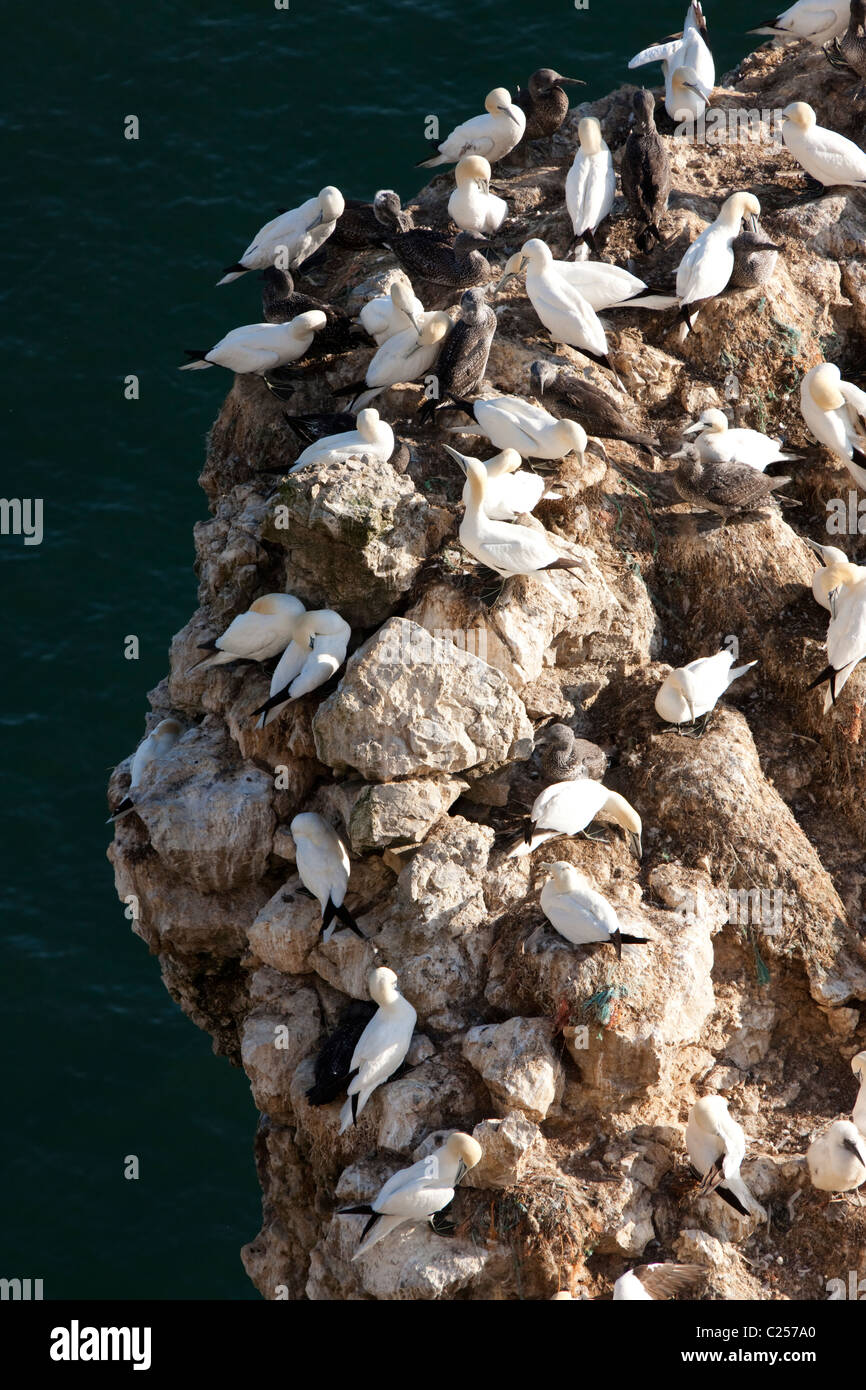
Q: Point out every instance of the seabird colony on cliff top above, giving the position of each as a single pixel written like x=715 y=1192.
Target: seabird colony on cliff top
x=447 y=352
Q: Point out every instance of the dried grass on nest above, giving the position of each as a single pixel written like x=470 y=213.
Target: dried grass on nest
x=543 y=1222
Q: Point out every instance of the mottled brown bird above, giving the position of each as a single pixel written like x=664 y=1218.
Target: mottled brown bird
x=725 y=488
x=600 y=416
x=847 y=52
x=544 y=102
x=565 y=757
x=362 y=225
x=755 y=258
x=431 y=255
x=646 y=172
x=461 y=364
x=281 y=303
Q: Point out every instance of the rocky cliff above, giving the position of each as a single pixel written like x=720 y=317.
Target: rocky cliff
x=573 y=1069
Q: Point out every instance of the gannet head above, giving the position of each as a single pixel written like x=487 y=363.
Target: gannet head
x=822 y=383
x=507 y=461
x=309 y=825
x=709 y=1113
x=569 y=432
x=465 y=1150
x=543 y=80
x=589 y=135
x=434 y=328
x=564 y=876
x=644 y=107
x=626 y=816
x=737 y=206
x=332 y=203
x=498 y=102
x=858 y=1063
x=273 y=605
x=687 y=79
x=830 y=554
x=280 y=280
x=310 y=322
x=473 y=168
x=800 y=114
x=712 y=421
x=167 y=730
x=473 y=303
x=387 y=207
x=367 y=424
x=403 y=298
x=462 y=460
x=382 y=984
x=541 y=375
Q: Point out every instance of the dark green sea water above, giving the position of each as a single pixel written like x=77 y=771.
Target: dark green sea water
x=110 y=254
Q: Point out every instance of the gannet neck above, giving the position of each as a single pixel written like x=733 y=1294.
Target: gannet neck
x=476 y=475
x=436 y=324
x=508 y=461
x=589 y=135
x=714 y=421
x=822 y=384
x=367 y=425
x=382 y=985
x=627 y=817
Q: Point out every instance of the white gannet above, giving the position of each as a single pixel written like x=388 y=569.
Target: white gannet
x=827 y=157
x=262 y=632
x=566 y=808
x=382 y=1046
x=578 y=911
x=606 y=286
x=501 y=545
x=291 y=237
x=563 y=310
x=717 y=1147
x=718 y=443
x=402 y=358
x=858 y=1115
x=688 y=68
x=657 y=1282
x=510 y=490
x=323 y=868
x=706 y=267
x=837 y=1158
x=835 y=572
x=316 y=651
x=492 y=135
x=373 y=438
x=387 y=314
x=693 y=690
x=815 y=20
x=513 y=422
x=152 y=748
x=846 y=639
x=260 y=347
x=472 y=206
x=417 y=1193
x=835 y=412
x=590 y=186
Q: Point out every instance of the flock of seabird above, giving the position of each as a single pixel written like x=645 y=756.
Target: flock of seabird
x=722 y=471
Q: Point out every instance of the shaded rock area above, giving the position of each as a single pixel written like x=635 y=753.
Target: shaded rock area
x=574 y=1069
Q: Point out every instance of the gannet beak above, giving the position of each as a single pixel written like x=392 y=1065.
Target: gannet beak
x=462 y=1170
x=512 y=274
x=457 y=457
x=693 y=429
x=507 y=111
x=318 y=222
x=701 y=91
x=575 y=81
x=819 y=549
x=417 y=322
x=484 y=185
x=634 y=844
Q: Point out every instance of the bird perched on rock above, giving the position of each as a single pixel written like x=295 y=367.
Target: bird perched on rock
x=847 y=51
x=404 y=357
x=281 y=303
x=492 y=135
x=846 y=639
x=835 y=413
x=566 y=315
x=387 y=314
x=472 y=206
x=725 y=488
x=259 y=348
x=315 y=425
x=645 y=171
x=502 y=546
x=292 y=237
x=544 y=103
x=706 y=267
x=152 y=749
x=815 y=20
x=579 y=912
x=658 y=1282
x=567 y=808
x=717 y=1147
x=433 y=256
x=755 y=257
x=333 y=1069
x=607 y=286
x=417 y=1193
x=382 y=1046
x=829 y=158
x=462 y=362
x=565 y=757
x=687 y=65
x=510 y=490
x=513 y=422
x=257 y=635
x=837 y=1158
x=372 y=438
x=323 y=868
x=836 y=572
x=361 y=226
x=317 y=650
x=590 y=186
x=718 y=443
x=693 y=690
x=600 y=416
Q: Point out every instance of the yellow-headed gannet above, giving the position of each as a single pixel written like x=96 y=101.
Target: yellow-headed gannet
x=815 y=20
x=657 y=1282
x=590 y=187
x=567 y=808
x=492 y=135
x=510 y=490
x=827 y=157
x=316 y=651
x=578 y=911
x=718 y=443
x=419 y=1192
x=501 y=545
x=837 y=1158
x=563 y=310
x=292 y=237
x=693 y=690
x=717 y=1147
x=846 y=639
x=835 y=412
x=472 y=206
x=688 y=68
x=705 y=269
x=372 y=438
x=152 y=748
x=381 y=1047
x=858 y=1066
x=402 y=358
x=387 y=314
x=513 y=422
x=323 y=868
x=262 y=632
x=260 y=347
x=834 y=573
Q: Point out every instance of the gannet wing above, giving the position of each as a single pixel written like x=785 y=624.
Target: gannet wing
x=667 y=1280
x=656 y=53
x=247 y=634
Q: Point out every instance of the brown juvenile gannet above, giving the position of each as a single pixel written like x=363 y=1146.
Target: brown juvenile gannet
x=361 y=226
x=462 y=362
x=565 y=757
x=646 y=172
x=598 y=414
x=755 y=257
x=281 y=302
x=725 y=488
x=544 y=103
x=433 y=256
x=848 y=51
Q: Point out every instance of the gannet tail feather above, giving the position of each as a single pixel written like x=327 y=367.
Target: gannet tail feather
x=232 y=272
x=198 y=360
x=126 y=805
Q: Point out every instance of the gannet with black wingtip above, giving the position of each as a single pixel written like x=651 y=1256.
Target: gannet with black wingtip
x=688 y=68
x=417 y=1193
x=373 y=438
x=650 y=1283
x=513 y=422
x=815 y=20
x=387 y=314
x=567 y=808
x=262 y=632
x=510 y=490
x=590 y=186
x=317 y=650
x=858 y=1115
x=152 y=748
x=706 y=267
x=501 y=545
x=579 y=912
x=492 y=135
x=382 y=1046
x=260 y=347
x=606 y=286
x=717 y=1147
x=333 y=1060
x=567 y=316
x=292 y=237
x=472 y=206
x=835 y=412
x=846 y=640
x=323 y=868
x=827 y=157
x=837 y=1158
x=402 y=358
x=834 y=573
x=694 y=690
x=718 y=443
